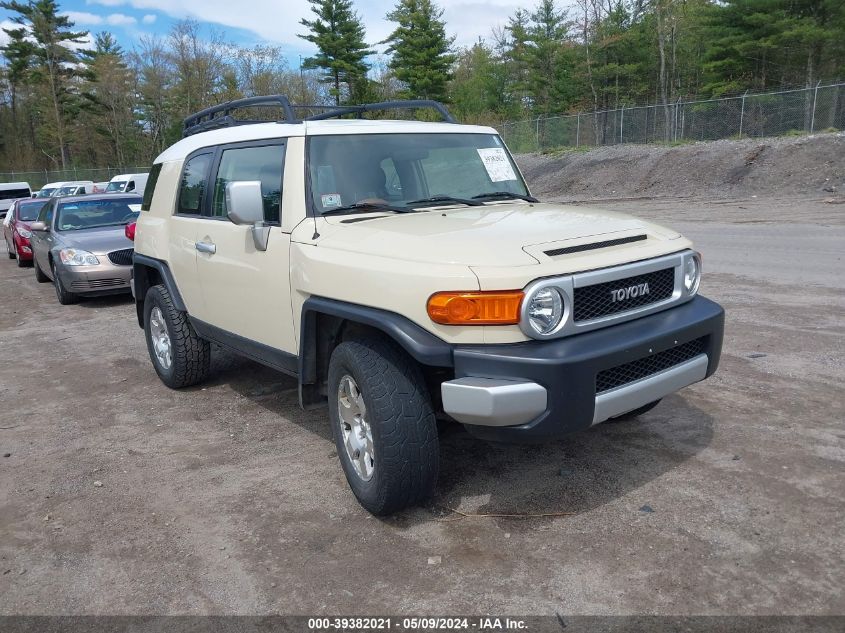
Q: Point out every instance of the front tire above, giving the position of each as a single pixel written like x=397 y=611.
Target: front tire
x=40 y=277
x=383 y=425
x=180 y=357
x=65 y=298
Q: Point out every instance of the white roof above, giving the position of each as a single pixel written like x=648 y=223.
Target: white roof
x=260 y=131
x=14 y=185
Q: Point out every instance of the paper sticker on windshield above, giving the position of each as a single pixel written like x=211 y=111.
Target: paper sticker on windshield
x=330 y=200
x=497 y=164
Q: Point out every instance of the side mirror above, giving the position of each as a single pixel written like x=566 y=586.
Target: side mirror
x=246 y=206
x=244 y=202
x=38 y=226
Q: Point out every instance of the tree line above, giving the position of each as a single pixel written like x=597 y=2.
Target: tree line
x=68 y=99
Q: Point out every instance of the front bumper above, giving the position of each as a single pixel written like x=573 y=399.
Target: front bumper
x=105 y=278
x=23 y=248
x=544 y=389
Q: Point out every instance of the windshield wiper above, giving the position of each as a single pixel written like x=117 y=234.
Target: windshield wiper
x=435 y=200
x=504 y=195
x=365 y=207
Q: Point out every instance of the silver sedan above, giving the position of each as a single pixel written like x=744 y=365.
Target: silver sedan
x=79 y=244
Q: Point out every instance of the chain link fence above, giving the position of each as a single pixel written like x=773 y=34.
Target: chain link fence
x=801 y=111
x=38 y=179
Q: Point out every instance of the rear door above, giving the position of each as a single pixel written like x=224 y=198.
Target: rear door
x=246 y=292
x=185 y=226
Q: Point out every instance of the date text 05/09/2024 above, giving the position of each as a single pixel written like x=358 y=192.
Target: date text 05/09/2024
x=478 y=623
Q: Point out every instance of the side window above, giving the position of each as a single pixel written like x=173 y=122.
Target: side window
x=264 y=163
x=46 y=214
x=193 y=184
x=150 y=188
x=130 y=186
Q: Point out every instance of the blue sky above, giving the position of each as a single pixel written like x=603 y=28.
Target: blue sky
x=275 y=22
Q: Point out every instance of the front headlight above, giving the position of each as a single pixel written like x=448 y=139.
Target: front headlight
x=23 y=232
x=545 y=310
x=692 y=273
x=76 y=257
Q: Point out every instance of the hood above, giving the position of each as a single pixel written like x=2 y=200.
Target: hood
x=97 y=241
x=501 y=234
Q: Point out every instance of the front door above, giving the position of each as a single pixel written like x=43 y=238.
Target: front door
x=246 y=291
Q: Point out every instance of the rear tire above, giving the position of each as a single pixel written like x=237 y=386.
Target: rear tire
x=65 y=298
x=40 y=277
x=180 y=357
x=21 y=263
x=636 y=412
x=379 y=406
x=11 y=252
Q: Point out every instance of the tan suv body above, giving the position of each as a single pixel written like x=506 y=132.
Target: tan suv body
x=402 y=271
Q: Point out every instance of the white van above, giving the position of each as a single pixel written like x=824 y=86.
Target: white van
x=11 y=191
x=125 y=183
x=75 y=188
x=50 y=188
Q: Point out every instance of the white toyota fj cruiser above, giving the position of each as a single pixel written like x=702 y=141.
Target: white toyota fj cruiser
x=402 y=271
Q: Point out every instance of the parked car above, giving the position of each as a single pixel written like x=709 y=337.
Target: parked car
x=402 y=270
x=125 y=183
x=16 y=228
x=77 y=188
x=50 y=188
x=79 y=244
x=10 y=191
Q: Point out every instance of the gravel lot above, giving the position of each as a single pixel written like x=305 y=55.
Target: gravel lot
x=120 y=496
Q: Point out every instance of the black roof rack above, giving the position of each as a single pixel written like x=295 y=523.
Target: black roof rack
x=221 y=115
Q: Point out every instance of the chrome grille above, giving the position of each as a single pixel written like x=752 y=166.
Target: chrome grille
x=122 y=257
x=97 y=284
x=642 y=368
x=593 y=302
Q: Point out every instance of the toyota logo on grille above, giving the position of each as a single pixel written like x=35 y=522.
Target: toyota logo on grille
x=623 y=294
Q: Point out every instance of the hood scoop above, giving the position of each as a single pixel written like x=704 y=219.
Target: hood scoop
x=580 y=248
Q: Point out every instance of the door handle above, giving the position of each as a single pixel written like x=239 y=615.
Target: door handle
x=206 y=247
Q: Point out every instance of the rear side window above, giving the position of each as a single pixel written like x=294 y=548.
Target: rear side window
x=193 y=185
x=265 y=164
x=150 y=188
x=46 y=214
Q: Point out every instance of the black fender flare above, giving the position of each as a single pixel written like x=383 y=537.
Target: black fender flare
x=423 y=346
x=141 y=282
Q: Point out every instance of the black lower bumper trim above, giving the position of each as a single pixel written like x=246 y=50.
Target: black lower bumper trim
x=568 y=367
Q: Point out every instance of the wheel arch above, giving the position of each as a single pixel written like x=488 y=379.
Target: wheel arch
x=148 y=272
x=327 y=322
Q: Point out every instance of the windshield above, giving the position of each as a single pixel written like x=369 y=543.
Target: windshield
x=116 y=185
x=66 y=191
x=91 y=214
x=13 y=194
x=28 y=211
x=47 y=192
x=400 y=169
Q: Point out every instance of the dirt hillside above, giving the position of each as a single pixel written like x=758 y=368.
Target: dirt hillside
x=772 y=167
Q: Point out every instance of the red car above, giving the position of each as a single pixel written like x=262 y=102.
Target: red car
x=16 y=227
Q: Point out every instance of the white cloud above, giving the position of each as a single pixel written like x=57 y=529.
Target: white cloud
x=120 y=19
x=83 y=18
x=6 y=24
x=149 y=18
x=278 y=22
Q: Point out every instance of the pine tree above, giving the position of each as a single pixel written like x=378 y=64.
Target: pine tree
x=422 y=53
x=55 y=64
x=338 y=34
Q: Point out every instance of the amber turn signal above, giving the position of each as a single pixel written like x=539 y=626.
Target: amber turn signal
x=475 y=308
